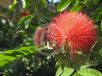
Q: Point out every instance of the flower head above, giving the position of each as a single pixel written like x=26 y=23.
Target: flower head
x=75 y=29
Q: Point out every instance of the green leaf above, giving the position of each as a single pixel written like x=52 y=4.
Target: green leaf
x=59 y=71
x=76 y=74
x=44 y=2
x=36 y=5
x=67 y=71
x=59 y=63
x=84 y=61
x=11 y=55
x=97 y=16
x=13 y=5
x=26 y=3
x=89 y=72
x=25 y=20
x=76 y=8
x=63 y=5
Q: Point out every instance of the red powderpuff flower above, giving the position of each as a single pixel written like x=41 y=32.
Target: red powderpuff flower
x=74 y=29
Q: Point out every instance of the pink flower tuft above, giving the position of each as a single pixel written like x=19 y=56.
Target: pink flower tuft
x=40 y=36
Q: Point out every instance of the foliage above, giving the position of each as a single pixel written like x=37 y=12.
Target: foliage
x=18 y=22
x=31 y=63
x=11 y=55
x=85 y=61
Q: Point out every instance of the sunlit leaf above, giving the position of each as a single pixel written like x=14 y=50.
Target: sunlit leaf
x=25 y=21
x=89 y=72
x=63 y=5
x=44 y=2
x=13 y=5
x=67 y=71
x=76 y=8
x=26 y=3
x=76 y=74
x=10 y=55
x=59 y=63
x=59 y=71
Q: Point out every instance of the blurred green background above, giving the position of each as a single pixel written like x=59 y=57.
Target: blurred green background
x=19 y=20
